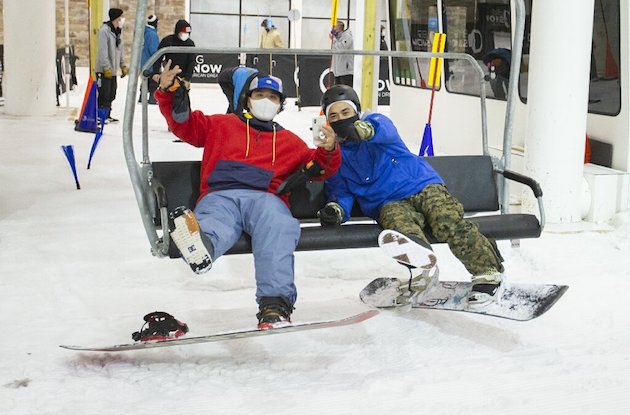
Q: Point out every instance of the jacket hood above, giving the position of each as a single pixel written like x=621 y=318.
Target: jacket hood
x=233 y=82
x=501 y=53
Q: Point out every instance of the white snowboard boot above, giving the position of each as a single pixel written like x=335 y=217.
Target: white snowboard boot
x=194 y=246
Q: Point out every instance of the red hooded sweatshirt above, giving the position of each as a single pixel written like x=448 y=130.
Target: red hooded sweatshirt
x=238 y=156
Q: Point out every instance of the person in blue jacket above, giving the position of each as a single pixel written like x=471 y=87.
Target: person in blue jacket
x=400 y=190
x=150 y=46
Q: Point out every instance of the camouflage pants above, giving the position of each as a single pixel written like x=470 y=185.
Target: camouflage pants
x=434 y=210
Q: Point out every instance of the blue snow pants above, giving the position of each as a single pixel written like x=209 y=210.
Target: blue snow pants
x=225 y=214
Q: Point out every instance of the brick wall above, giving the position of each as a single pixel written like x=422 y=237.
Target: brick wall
x=168 y=12
x=1 y=23
x=79 y=18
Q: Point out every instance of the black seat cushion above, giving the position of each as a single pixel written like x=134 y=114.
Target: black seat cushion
x=471 y=179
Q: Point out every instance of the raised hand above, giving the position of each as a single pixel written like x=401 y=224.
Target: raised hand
x=168 y=75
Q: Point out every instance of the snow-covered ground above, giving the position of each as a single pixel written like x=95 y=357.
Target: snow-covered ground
x=75 y=268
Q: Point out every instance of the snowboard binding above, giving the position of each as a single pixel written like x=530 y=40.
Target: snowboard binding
x=395 y=292
x=161 y=326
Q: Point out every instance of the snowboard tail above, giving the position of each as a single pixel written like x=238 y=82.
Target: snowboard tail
x=181 y=341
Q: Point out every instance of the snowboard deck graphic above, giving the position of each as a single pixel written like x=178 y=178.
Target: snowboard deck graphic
x=230 y=335
x=517 y=301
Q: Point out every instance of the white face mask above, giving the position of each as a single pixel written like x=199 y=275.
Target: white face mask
x=122 y=22
x=263 y=109
x=184 y=36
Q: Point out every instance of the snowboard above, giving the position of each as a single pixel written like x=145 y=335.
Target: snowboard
x=231 y=335
x=517 y=301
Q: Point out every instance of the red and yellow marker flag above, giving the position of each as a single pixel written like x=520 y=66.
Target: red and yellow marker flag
x=439 y=42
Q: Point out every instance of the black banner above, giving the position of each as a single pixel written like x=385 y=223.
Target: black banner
x=314 y=78
x=383 y=82
x=312 y=73
x=282 y=66
x=209 y=65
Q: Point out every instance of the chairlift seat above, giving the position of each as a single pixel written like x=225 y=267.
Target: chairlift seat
x=471 y=179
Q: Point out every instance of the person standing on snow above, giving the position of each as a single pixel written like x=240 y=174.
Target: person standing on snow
x=270 y=37
x=185 y=61
x=109 y=59
x=246 y=158
x=401 y=191
x=342 y=65
x=149 y=47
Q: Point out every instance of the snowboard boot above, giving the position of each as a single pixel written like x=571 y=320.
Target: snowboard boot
x=274 y=312
x=194 y=245
x=394 y=292
x=407 y=250
x=161 y=326
x=486 y=289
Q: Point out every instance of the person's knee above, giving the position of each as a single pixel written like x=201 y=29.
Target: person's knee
x=402 y=217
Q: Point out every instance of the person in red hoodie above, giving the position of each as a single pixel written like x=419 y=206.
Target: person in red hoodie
x=246 y=157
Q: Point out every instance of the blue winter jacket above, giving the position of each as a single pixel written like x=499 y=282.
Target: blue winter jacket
x=378 y=171
x=151 y=42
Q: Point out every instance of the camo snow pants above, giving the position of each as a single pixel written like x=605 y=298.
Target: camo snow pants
x=434 y=210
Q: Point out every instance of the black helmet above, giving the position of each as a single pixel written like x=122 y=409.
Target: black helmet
x=340 y=93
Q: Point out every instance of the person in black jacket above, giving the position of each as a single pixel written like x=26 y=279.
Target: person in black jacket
x=185 y=61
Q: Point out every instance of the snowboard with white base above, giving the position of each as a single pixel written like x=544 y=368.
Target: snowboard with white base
x=514 y=301
x=181 y=341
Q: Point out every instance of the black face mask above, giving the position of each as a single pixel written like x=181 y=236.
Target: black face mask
x=344 y=129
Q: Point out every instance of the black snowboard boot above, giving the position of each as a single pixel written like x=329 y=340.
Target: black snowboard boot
x=274 y=312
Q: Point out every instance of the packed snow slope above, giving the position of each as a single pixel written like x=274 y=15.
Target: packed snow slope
x=75 y=268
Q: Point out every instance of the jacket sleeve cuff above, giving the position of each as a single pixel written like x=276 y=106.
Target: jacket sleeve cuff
x=163 y=97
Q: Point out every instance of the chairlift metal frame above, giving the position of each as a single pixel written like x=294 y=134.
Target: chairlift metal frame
x=141 y=174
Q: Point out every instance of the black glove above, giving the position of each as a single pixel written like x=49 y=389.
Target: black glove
x=312 y=169
x=331 y=214
x=181 y=103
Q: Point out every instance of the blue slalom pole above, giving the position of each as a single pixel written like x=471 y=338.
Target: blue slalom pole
x=426 y=147
x=69 y=153
x=102 y=116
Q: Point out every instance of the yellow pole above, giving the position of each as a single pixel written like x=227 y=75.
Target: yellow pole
x=94 y=24
x=435 y=68
x=333 y=13
x=369 y=42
